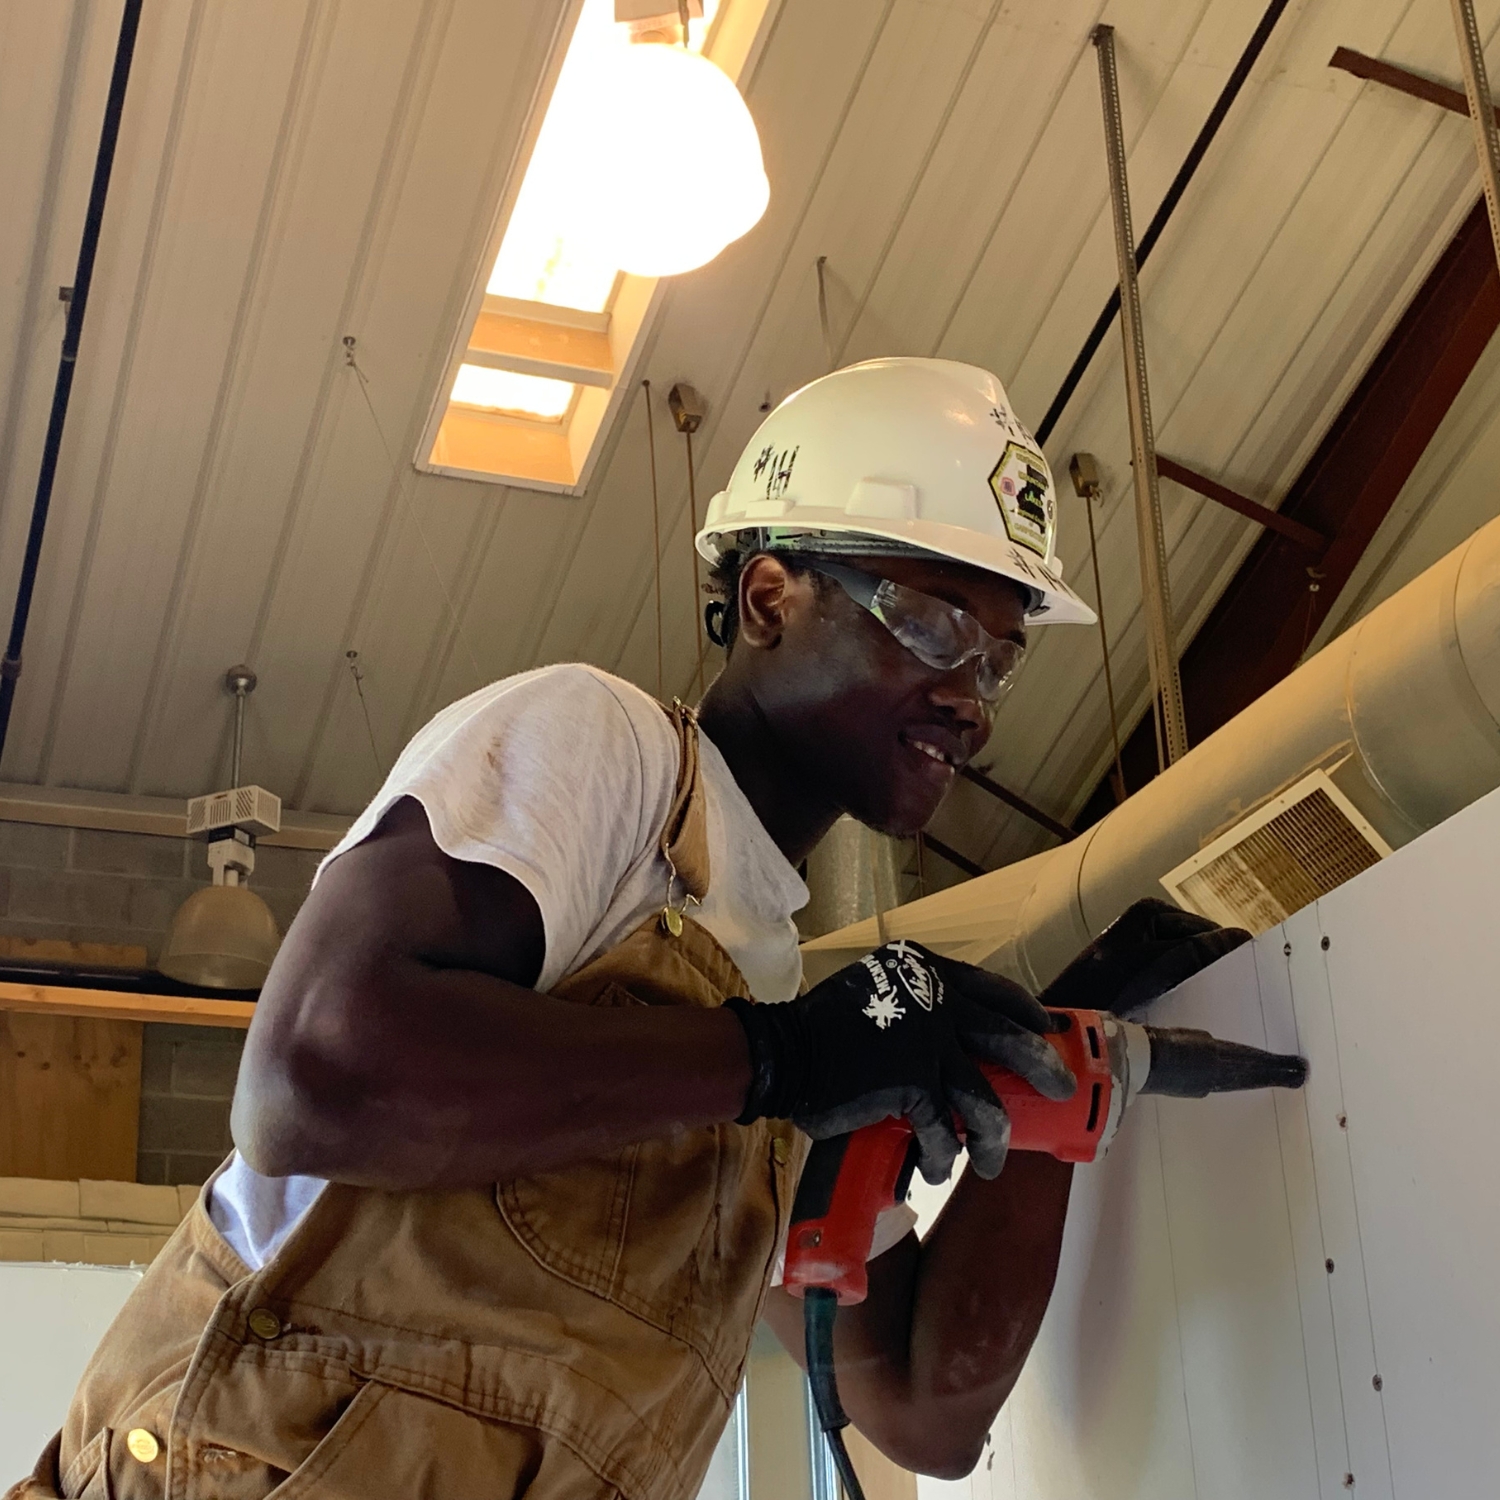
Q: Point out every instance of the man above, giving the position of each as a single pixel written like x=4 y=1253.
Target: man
x=516 y=1148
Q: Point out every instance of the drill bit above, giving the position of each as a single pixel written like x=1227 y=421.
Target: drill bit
x=1189 y=1064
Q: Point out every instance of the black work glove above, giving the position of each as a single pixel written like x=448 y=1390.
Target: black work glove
x=897 y=1033
x=1149 y=949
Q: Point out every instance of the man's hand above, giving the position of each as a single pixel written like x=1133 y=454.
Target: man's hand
x=898 y=1033
x=1151 y=948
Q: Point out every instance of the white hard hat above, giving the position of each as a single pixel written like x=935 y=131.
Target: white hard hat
x=900 y=456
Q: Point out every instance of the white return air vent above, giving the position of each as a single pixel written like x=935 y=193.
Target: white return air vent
x=1292 y=849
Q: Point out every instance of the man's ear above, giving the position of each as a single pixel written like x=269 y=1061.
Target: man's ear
x=768 y=590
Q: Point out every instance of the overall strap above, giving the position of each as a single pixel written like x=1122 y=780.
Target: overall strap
x=684 y=835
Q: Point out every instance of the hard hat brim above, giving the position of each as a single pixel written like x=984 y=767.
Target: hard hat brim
x=1057 y=604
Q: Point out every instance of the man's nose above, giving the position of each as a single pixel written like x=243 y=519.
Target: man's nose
x=957 y=694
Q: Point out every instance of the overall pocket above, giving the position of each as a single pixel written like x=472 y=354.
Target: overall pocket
x=679 y=1231
x=311 y=1476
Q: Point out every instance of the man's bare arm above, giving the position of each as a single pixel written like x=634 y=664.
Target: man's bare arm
x=398 y=1043
x=927 y=1360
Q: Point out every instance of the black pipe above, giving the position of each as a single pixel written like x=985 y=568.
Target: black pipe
x=1190 y=164
x=109 y=133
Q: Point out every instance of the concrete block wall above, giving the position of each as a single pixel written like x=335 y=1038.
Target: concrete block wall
x=93 y=885
x=94 y=1223
x=187 y=1082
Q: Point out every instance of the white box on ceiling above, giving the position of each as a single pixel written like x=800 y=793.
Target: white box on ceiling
x=251 y=808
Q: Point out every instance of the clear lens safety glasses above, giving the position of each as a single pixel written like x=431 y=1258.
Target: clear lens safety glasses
x=938 y=634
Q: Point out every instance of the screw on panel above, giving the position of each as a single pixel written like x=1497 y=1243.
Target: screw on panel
x=1326 y=945
x=1378 y=1383
x=1287 y=949
x=1328 y=1266
x=1343 y=1122
x=1348 y=1481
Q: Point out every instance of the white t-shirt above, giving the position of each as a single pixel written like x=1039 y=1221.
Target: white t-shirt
x=563 y=778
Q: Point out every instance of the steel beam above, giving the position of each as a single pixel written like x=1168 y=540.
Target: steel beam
x=1165 y=209
x=1273 y=520
x=954 y=858
x=1403 y=80
x=1017 y=801
x=1259 y=629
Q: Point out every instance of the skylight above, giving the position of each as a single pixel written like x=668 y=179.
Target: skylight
x=547 y=343
x=503 y=390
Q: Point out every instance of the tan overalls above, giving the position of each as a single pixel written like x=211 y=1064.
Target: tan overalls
x=565 y=1337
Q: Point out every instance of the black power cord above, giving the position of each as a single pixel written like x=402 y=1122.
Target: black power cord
x=820 y=1305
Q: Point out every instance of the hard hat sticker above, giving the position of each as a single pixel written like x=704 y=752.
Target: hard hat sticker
x=1023 y=490
x=776 y=468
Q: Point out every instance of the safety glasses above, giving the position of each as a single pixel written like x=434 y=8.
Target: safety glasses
x=938 y=634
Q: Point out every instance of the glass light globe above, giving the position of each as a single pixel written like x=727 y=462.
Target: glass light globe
x=223 y=937
x=678 y=170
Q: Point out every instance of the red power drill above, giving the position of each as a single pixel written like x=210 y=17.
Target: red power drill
x=851 y=1179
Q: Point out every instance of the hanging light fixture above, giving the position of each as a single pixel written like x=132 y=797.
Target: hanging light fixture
x=224 y=936
x=680 y=169
x=647 y=161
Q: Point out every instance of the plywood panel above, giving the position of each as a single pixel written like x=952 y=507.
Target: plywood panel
x=70 y=1085
x=70 y=1096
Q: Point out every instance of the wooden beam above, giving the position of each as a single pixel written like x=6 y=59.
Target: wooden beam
x=1403 y=80
x=1258 y=630
x=1304 y=536
x=121 y=1005
x=68 y=807
x=528 y=347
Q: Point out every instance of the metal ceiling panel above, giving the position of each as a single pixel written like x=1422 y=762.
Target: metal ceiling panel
x=297 y=171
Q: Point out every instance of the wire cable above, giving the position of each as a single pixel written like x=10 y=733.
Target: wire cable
x=352 y=657
x=411 y=510
x=820 y=1305
x=62 y=390
x=823 y=323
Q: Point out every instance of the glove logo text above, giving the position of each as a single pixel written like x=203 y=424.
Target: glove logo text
x=903 y=976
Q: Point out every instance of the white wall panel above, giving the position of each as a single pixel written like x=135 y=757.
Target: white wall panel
x=53 y=1317
x=1263 y=1295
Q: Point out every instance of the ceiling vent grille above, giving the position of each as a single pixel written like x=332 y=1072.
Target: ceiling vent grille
x=1300 y=845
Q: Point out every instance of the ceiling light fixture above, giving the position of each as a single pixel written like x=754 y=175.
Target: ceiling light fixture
x=679 y=172
x=648 y=161
x=224 y=936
